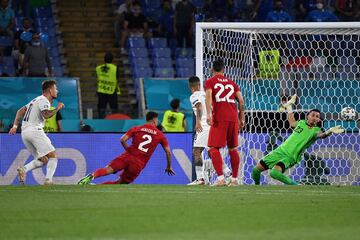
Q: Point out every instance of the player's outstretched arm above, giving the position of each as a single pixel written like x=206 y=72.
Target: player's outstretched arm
x=19 y=115
x=288 y=106
x=337 y=129
x=168 y=169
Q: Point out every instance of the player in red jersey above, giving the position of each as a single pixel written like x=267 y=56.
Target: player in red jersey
x=225 y=120
x=145 y=139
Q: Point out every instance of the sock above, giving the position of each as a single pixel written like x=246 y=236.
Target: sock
x=33 y=164
x=256 y=173
x=216 y=160
x=207 y=166
x=226 y=169
x=199 y=172
x=276 y=174
x=50 y=168
x=100 y=172
x=235 y=162
x=111 y=182
x=220 y=177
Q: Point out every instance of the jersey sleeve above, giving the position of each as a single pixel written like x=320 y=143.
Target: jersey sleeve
x=44 y=104
x=130 y=132
x=208 y=84
x=194 y=99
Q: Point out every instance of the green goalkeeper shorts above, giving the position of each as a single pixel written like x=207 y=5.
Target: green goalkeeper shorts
x=276 y=156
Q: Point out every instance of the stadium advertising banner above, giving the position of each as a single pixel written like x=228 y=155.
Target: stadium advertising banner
x=83 y=153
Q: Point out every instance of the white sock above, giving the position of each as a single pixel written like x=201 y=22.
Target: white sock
x=50 y=168
x=226 y=169
x=33 y=164
x=199 y=172
x=220 y=177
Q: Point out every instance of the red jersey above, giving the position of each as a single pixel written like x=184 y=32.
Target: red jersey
x=145 y=139
x=223 y=98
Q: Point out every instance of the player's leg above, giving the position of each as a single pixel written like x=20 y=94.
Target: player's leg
x=130 y=173
x=36 y=163
x=226 y=170
x=277 y=173
x=217 y=139
x=256 y=171
x=198 y=166
x=232 y=141
x=47 y=155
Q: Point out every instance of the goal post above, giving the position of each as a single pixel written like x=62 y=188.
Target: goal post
x=319 y=62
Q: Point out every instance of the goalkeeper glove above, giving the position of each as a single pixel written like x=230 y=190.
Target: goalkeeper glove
x=336 y=129
x=288 y=105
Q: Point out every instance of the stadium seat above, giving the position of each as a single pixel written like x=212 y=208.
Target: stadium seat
x=184 y=53
x=54 y=52
x=51 y=43
x=157 y=43
x=140 y=72
x=140 y=62
x=44 y=22
x=161 y=53
x=57 y=71
x=51 y=32
x=164 y=72
x=162 y=62
x=198 y=3
x=138 y=52
x=136 y=42
x=7 y=61
x=184 y=72
x=185 y=62
x=5 y=41
x=42 y=12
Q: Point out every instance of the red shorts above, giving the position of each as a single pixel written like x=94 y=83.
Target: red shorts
x=130 y=165
x=224 y=133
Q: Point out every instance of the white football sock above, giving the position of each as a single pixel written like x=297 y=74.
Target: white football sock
x=33 y=164
x=226 y=169
x=50 y=168
x=199 y=172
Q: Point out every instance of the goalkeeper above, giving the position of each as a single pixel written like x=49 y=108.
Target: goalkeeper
x=289 y=153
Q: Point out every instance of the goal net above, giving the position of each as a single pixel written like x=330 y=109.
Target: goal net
x=272 y=61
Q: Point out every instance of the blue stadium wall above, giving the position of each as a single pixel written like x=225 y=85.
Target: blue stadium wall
x=83 y=153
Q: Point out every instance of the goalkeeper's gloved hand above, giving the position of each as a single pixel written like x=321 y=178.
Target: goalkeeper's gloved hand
x=288 y=105
x=336 y=129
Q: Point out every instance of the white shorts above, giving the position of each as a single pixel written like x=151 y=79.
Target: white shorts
x=37 y=143
x=201 y=139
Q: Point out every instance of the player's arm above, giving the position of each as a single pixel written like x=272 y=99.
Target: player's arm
x=336 y=129
x=166 y=148
x=19 y=115
x=123 y=141
x=208 y=104
x=49 y=113
x=241 y=107
x=291 y=119
x=288 y=106
x=199 y=111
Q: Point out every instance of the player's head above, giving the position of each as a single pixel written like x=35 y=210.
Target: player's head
x=194 y=83
x=313 y=117
x=278 y=5
x=108 y=58
x=49 y=87
x=218 y=66
x=152 y=117
x=175 y=104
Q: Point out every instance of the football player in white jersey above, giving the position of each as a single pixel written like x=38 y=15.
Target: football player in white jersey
x=32 y=133
x=197 y=100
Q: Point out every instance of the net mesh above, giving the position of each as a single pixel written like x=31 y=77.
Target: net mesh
x=320 y=66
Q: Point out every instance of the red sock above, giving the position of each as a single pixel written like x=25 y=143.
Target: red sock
x=111 y=182
x=100 y=172
x=216 y=160
x=235 y=162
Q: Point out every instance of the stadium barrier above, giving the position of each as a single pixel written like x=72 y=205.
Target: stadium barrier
x=83 y=153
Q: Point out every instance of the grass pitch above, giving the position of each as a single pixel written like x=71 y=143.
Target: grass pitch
x=179 y=212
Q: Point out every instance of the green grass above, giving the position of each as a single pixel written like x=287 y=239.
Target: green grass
x=179 y=212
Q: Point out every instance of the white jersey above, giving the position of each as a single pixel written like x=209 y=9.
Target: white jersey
x=199 y=97
x=33 y=118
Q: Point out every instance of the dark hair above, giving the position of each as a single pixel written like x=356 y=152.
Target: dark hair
x=175 y=103
x=194 y=80
x=47 y=84
x=151 y=115
x=108 y=58
x=26 y=19
x=218 y=65
x=314 y=110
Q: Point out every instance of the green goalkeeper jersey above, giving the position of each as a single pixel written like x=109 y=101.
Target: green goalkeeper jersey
x=301 y=138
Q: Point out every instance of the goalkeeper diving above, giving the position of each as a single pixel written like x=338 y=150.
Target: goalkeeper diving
x=289 y=153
